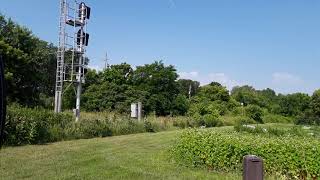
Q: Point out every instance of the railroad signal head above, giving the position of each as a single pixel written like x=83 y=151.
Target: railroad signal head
x=84 y=36
x=84 y=10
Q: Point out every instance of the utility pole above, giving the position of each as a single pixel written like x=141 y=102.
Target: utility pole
x=106 y=62
x=190 y=88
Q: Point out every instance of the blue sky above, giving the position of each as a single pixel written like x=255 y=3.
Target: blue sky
x=263 y=43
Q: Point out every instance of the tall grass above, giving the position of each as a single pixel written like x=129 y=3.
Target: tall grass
x=36 y=126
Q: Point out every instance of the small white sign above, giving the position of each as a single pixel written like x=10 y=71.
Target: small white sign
x=134 y=113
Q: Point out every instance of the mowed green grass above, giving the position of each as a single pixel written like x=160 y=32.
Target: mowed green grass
x=138 y=156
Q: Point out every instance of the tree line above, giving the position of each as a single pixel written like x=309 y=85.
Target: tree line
x=30 y=74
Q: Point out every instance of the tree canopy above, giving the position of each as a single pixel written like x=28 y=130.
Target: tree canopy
x=30 y=74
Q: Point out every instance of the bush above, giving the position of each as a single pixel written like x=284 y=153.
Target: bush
x=185 y=122
x=148 y=127
x=212 y=119
x=250 y=129
x=121 y=126
x=307 y=118
x=274 y=118
x=290 y=156
x=92 y=128
x=244 y=120
x=34 y=126
x=264 y=131
x=271 y=131
x=254 y=112
x=238 y=111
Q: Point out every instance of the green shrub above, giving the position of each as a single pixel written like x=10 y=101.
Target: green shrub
x=250 y=129
x=231 y=120
x=275 y=131
x=121 y=125
x=278 y=132
x=254 y=112
x=34 y=126
x=181 y=122
x=274 y=118
x=93 y=128
x=289 y=156
x=148 y=127
x=238 y=111
x=244 y=120
x=185 y=122
x=212 y=120
x=307 y=118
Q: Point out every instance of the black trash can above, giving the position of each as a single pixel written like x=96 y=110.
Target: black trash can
x=252 y=168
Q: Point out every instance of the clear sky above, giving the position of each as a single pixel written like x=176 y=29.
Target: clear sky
x=263 y=43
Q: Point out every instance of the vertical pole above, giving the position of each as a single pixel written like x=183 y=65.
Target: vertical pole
x=139 y=111
x=189 y=91
x=81 y=60
x=78 y=100
x=106 y=61
x=79 y=85
x=57 y=102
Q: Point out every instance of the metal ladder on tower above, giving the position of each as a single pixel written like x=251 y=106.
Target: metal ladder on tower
x=60 y=58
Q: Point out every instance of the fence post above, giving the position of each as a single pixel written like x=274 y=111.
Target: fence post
x=252 y=168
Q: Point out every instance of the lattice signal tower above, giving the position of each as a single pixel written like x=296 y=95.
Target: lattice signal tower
x=73 y=39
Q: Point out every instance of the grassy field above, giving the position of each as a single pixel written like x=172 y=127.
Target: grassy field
x=138 y=156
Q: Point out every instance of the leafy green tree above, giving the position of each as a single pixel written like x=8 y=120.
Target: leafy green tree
x=91 y=77
x=212 y=119
x=109 y=96
x=186 y=85
x=118 y=74
x=209 y=103
x=267 y=98
x=29 y=63
x=254 y=112
x=245 y=94
x=180 y=105
x=315 y=103
x=213 y=92
x=160 y=83
x=294 y=104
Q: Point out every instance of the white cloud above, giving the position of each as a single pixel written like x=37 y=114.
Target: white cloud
x=221 y=78
x=188 y=75
x=285 y=78
x=96 y=67
x=284 y=82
